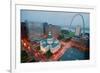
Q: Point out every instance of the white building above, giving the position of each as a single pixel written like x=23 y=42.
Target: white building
x=78 y=30
x=49 y=43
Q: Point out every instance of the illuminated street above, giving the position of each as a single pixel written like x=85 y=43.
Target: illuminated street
x=56 y=56
x=54 y=36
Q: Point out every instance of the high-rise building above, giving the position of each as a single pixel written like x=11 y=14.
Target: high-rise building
x=55 y=30
x=78 y=30
x=45 y=28
x=24 y=30
x=35 y=30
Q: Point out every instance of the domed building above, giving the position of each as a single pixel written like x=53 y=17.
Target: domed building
x=49 y=44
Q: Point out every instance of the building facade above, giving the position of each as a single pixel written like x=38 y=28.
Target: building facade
x=49 y=44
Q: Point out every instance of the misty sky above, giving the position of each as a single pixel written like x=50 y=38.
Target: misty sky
x=55 y=18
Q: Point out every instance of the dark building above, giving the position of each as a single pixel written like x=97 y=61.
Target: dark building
x=24 y=30
x=45 y=28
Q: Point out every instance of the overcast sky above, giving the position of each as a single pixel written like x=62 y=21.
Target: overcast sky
x=55 y=18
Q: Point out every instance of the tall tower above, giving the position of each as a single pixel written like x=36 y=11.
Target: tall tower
x=24 y=29
x=78 y=30
x=45 y=28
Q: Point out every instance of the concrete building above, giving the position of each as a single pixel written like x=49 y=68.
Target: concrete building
x=55 y=30
x=78 y=30
x=45 y=28
x=35 y=30
x=24 y=30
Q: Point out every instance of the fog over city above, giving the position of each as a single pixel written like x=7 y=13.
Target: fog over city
x=56 y=18
x=54 y=36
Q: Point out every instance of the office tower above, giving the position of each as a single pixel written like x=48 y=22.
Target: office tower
x=78 y=30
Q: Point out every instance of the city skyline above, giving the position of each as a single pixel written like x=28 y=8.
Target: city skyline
x=55 y=18
x=54 y=36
